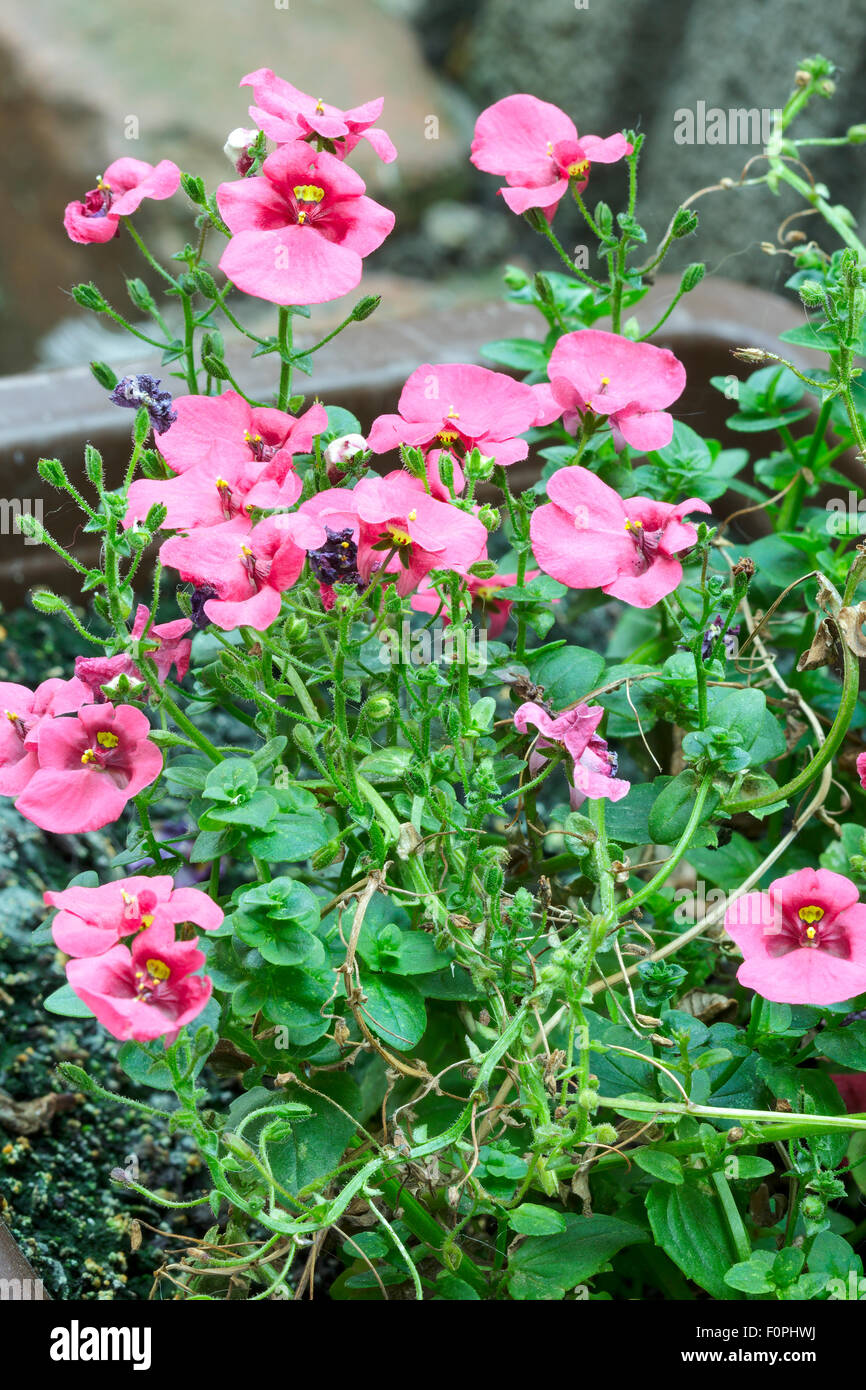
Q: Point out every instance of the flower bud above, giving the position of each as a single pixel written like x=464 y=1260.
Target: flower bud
x=692 y=276
x=685 y=222
x=365 y=307
x=515 y=278
x=296 y=629
x=237 y=146
x=89 y=297
x=811 y=293
x=343 y=450
x=489 y=517
x=377 y=709
x=856 y=134
x=52 y=471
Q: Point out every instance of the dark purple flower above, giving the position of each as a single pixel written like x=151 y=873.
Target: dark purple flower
x=714 y=631
x=198 y=598
x=336 y=562
x=135 y=391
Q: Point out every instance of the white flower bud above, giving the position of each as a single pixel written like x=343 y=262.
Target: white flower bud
x=344 y=449
x=237 y=144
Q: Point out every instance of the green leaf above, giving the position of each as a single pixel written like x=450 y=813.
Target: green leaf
x=745 y=713
x=394 y=1010
x=673 y=806
x=753 y=1275
x=258 y=812
x=315 y=1144
x=530 y=1219
x=66 y=1002
x=293 y=838
x=567 y=674
x=450 y=1287
x=570 y=1256
x=279 y=942
x=847 y=1046
x=690 y=1227
x=232 y=781
x=520 y=354
x=659 y=1164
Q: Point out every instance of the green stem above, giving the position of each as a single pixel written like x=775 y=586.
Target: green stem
x=679 y=850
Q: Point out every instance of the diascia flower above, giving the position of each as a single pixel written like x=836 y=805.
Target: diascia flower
x=535 y=146
x=300 y=228
x=399 y=525
x=246 y=568
x=804 y=940
x=92 y=920
x=861 y=768
x=588 y=537
x=630 y=383
x=172 y=648
x=88 y=767
x=456 y=405
x=226 y=430
x=286 y=114
x=492 y=610
x=593 y=772
x=211 y=493
x=117 y=194
x=148 y=992
x=24 y=710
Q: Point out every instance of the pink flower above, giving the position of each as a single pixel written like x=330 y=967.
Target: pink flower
x=25 y=710
x=92 y=920
x=861 y=768
x=593 y=765
x=628 y=382
x=171 y=649
x=535 y=146
x=248 y=568
x=211 y=493
x=300 y=228
x=89 y=766
x=226 y=430
x=397 y=514
x=117 y=194
x=492 y=611
x=286 y=114
x=148 y=992
x=459 y=405
x=587 y=537
x=804 y=940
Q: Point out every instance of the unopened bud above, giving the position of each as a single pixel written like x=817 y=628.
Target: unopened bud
x=756 y=356
x=237 y=147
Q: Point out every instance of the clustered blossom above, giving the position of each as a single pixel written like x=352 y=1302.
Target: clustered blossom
x=589 y=537
x=536 y=148
x=593 y=765
x=119 y=193
x=804 y=940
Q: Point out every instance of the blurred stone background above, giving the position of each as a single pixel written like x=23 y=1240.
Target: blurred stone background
x=78 y=78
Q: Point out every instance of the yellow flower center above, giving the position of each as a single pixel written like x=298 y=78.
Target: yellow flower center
x=158 y=970
x=578 y=170
x=447 y=436
x=148 y=920
x=633 y=525
x=605 y=381
x=308 y=193
x=107 y=740
x=413 y=515
x=810 y=914
x=399 y=536
x=88 y=756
